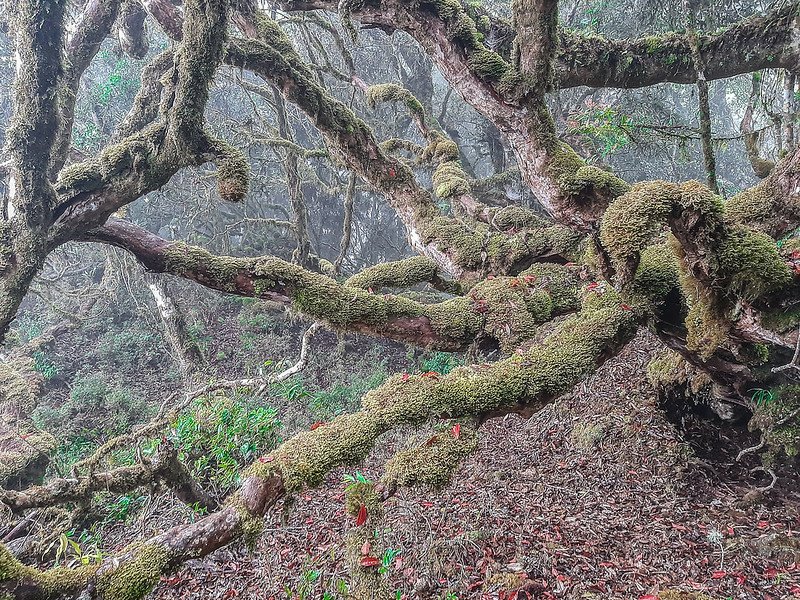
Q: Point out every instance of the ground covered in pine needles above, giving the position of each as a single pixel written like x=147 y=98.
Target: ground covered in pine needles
x=597 y=496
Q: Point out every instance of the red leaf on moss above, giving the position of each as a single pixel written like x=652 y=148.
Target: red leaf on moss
x=366 y=548
x=404 y=377
x=392 y=172
x=266 y=459
x=624 y=306
x=490 y=277
x=431 y=374
x=370 y=561
x=317 y=424
x=592 y=286
x=457 y=430
x=362 y=516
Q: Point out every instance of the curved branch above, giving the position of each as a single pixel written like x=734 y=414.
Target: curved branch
x=524 y=383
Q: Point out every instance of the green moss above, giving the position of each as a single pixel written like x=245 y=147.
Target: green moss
x=135 y=578
x=487 y=65
x=59 y=581
x=750 y=263
x=449 y=179
x=657 y=274
x=531 y=378
x=433 y=462
x=233 y=171
x=669 y=370
x=363 y=494
x=575 y=177
x=394 y=92
x=398 y=274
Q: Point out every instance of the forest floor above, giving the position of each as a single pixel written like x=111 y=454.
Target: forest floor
x=596 y=496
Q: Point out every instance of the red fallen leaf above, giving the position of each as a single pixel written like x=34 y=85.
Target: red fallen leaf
x=740 y=578
x=362 y=516
x=266 y=459
x=719 y=575
x=431 y=374
x=592 y=286
x=457 y=430
x=514 y=283
x=529 y=278
x=231 y=593
x=405 y=377
x=366 y=548
x=317 y=425
x=370 y=561
x=392 y=172
x=648 y=597
x=431 y=440
x=762 y=524
x=771 y=572
x=624 y=306
x=490 y=277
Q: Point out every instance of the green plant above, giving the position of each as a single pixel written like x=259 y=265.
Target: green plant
x=603 y=124
x=122 y=507
x=354 y=480
x=220 y=435
x=67 y=546
x=762 y=397
x=388 y=557
x=44 y=366
x=440 y=362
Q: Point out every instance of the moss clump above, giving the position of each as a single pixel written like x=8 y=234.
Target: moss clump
x=440 y=148
x=575 y=177
x=657 y=274
x=400 y=274
x=750 y=263
x=363 y=494
x=433 y=462
x=515 y=217
x=59 y=581
x=135 y=578
x=679 y=595
x=233 y=171
x=488 y=65
x=764 y=208
x=449 y=180
x=394 y=92
x=669 y=370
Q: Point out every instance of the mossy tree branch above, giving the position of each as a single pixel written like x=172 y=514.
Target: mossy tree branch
x=163 y=467
x=505 y=309
x=573 y=192
x=524 y=383
x=753 y=44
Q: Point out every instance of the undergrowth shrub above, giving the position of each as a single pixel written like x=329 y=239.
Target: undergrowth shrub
x=222 y=434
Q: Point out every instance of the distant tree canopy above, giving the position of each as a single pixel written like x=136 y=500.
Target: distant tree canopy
x=550 y=288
